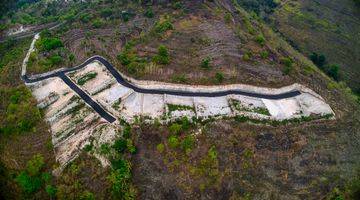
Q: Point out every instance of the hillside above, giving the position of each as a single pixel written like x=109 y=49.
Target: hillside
x=329 y=28
x=161 y=139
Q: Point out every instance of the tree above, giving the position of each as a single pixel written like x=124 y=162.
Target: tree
x=318 y=60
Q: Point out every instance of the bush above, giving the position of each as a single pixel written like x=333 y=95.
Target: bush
x=126 y=131
x=105 y=149
x=173 y=141
x=175 y=128
x=318 y=60
x=227 y=18
x=161 y=27
x=219 y=77
x=85 y=17
x=264 y=54
x=86 y=77
x=333 y=71
x=97 y=23
x=120 y=179
x=260 y=39
x=205 y=63
x=246 y=57
x=21 y=114
x=160 y=148
x=126 y=15
x=177 y=5
x=55 y=60
x=51 y=191
x=188 y=143
x=106 y=12
x=131 y=147
x=120 y=145
x=47 y=44
x=71 y=57
x=32 y=179
x=212 y=153
x=149 y=13
x=288 y=62
x=124 y=58
x=163 y=56
x=27 y=183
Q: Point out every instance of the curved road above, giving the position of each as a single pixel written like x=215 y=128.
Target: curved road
x=62 y=74
x=127 y=84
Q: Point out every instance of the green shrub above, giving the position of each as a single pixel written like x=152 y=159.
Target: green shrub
x=88 y=147
x=27 y=183
x=161 y=27
x=333 y=71
x=87 y=196
x=149 y=13
x=205 y=63
x=185 y=123
x=175 y=128
x=21 y=114
x=131 y=147
x=174 y=107
x=212 y=153
x=51 y=191
x=227 y=18
x=219 y=77
x=71 y=57
x=47 y=44
x=177 y=5
x=33 y=178
x=288 y=63
x=35 y=165
x=264 y=54
x=247 y=56
x=260 y=39
x=163 y=56
x=85 y=17
x=124 y=58
x=160 y=147
x=318 y=60
x=55 y=60
x=120 y=179
x=105 y=149
x=120 y=145
x=173 y=141
x=126 y=131
x=135 y=67
x=97 y=23
x=106 y=12
x=188 y=143
x=86 y=77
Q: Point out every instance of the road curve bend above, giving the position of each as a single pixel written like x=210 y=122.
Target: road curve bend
x=121 y=80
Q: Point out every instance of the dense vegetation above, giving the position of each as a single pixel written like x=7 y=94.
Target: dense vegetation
x=21 y=115
x=331 y=70
x=34 y=178
x=259 y=6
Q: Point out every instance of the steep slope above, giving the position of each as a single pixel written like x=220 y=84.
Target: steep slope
x=331 y=28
